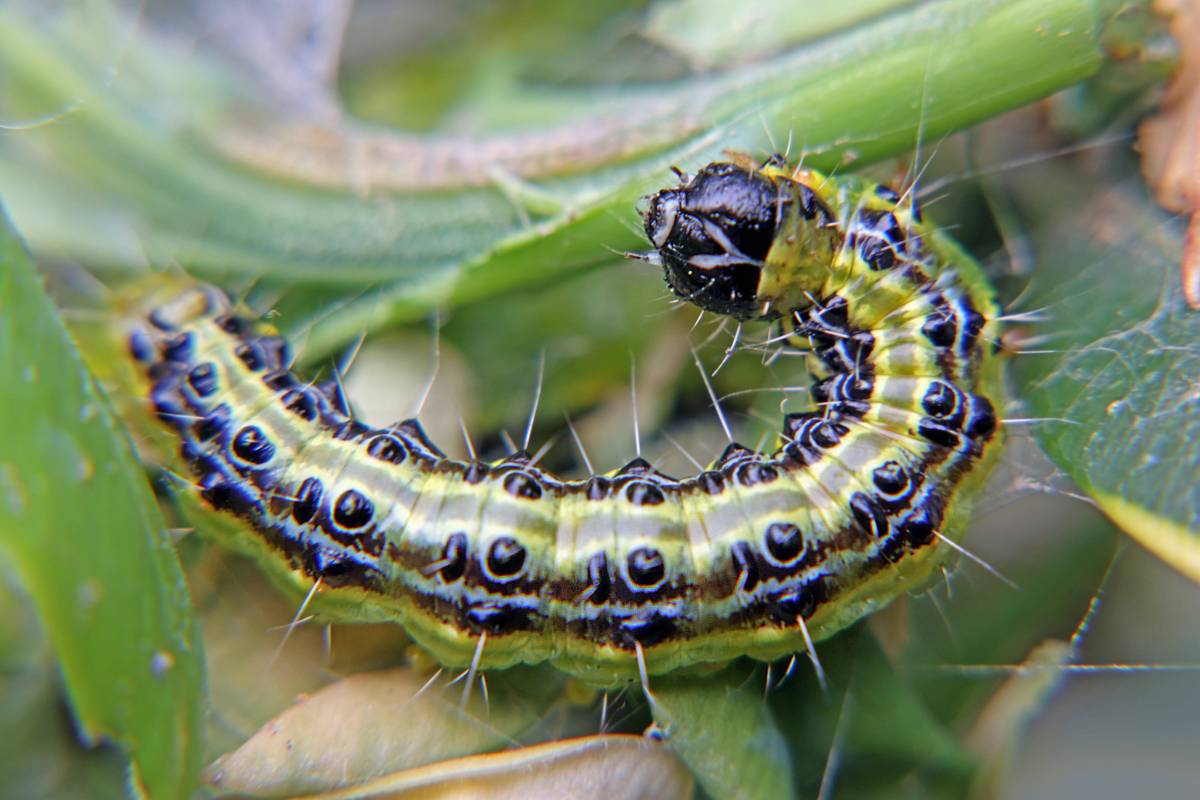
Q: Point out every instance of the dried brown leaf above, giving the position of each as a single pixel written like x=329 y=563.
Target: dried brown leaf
x=372 y=724
x=1170 y=140
x=611 y=767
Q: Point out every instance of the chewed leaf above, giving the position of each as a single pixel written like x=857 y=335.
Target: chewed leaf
x=601 y=767
x=1118 y=387
x=373 y=724
x=81 y=530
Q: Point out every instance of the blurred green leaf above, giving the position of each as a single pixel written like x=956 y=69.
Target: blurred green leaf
x=986 y=621
x=721 y=726
x=711 y=32
x=82 y=531
x=996 y=734
x=161 y=160
x=45 y=760
x=869 y=728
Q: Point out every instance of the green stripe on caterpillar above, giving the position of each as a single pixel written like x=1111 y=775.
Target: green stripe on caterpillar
x=494 y=564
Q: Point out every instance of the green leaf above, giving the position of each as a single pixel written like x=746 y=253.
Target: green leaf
x=1120 y=387
x=869 y=728
x=45 y=760
x=712 y=32
x=996 y=734
x=160 y=160
x=721 y=726
x=82 y=531
x=985 y=621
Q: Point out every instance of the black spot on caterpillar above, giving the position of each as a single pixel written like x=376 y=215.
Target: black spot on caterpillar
x=504 y=562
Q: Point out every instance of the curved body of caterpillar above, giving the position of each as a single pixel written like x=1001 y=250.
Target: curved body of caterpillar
x=501 y=563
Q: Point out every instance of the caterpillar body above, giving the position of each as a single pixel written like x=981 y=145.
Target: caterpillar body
x=499 y=563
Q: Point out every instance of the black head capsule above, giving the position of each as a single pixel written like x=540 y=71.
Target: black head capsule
x=712 y=235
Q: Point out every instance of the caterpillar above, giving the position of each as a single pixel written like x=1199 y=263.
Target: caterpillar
x=491 y=564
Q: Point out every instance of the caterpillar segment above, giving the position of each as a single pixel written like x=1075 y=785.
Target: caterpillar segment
x=504 y=562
